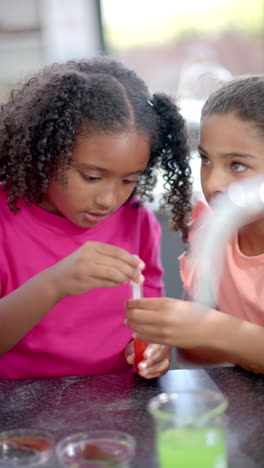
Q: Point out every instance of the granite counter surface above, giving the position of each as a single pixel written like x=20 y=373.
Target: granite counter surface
x=67 y=405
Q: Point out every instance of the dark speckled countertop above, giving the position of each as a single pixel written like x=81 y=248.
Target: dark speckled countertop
x=72 y=404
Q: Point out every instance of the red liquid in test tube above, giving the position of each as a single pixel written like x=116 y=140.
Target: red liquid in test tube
x=139 y=346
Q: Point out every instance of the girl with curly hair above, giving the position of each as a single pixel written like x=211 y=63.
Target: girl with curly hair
x=231 y=149
x=80 y=147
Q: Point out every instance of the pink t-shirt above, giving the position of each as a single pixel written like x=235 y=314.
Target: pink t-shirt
x=241 y=291
x=82 y=334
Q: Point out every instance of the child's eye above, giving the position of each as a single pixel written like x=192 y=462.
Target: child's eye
x=89 y=177
x=129 y=181
x=238 y=167
x=204 y=160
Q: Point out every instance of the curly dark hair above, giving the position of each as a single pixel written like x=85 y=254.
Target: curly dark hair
x=41 y=121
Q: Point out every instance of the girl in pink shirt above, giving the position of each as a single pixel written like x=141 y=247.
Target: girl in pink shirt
x=231 y=148
x=78 y=142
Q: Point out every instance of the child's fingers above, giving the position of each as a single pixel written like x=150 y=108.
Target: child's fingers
x=153 y=350
x=106 y=267
x=129 y=353
x=138 y=319
x=118 y=275
x=150 y=333
x=147 y=337
x=116 y=253
x=151 y=303
x=155 y=353
x=130 y=359
x=155 y=370
x=157 y=361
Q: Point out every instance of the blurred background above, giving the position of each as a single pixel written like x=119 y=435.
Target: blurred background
x=185 y=48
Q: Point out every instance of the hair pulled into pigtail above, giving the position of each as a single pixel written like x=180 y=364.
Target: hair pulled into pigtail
x=41 y=122
x=172 y=146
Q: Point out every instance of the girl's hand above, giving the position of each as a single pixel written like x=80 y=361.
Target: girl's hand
x=156 y=362
x=194 y=327
x=170 y=321
x=95 y=265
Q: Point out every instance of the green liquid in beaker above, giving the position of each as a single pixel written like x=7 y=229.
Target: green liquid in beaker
x=192 y=448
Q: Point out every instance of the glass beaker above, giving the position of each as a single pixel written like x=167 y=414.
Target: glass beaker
x=190 y=429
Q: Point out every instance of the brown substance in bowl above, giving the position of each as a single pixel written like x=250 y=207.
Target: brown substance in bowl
x=94 y=452
x=24 y=442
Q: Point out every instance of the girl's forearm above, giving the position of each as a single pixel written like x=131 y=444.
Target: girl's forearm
x=243 y=341
x=22 y=309
x=229 y=339
x=202 y=357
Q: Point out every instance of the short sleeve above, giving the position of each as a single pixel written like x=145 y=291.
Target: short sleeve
x=187 y=273
x=188 y=267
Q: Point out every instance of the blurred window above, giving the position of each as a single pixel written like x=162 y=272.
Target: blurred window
x=186 y=48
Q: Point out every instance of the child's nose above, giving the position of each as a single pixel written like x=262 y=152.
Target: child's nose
x=214 y=183
x=106 y=199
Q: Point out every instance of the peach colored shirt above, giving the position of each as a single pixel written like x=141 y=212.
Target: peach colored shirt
x=241 y=291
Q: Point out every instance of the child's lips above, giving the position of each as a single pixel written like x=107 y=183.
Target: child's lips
x=95 y=217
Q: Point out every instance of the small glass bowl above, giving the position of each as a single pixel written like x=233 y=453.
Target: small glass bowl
x=96 y=449
x=25 y=448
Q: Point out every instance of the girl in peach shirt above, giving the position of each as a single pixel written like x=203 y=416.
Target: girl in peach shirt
x=231 y=148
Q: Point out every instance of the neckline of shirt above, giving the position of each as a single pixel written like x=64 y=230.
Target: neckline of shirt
x=57 y=223
x=246 y=258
